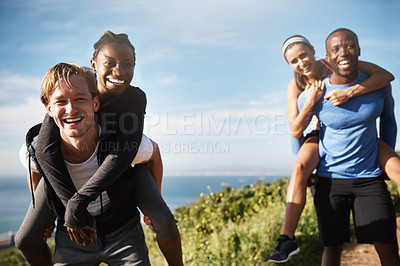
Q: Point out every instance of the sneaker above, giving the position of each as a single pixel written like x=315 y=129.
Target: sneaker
x=285 y=248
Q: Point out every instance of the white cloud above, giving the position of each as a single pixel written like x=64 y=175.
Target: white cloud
x=48 y=46
x=14 y=88
x=259 y=155
x=205 y=23
x=10 y=163
x=154 y=55
x=171 y=37
x=255 y=103
x=172 y=80
x=251 y=140
x=17 y=119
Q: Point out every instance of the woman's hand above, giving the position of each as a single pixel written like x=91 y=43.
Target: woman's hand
x=149 y=223
x=85 y=235
x=314 y=92
x=147 y=220
x=338 y=97
x=47 y=232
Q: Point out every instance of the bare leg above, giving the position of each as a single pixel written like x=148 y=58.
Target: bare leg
x=171 y=250
x=389 y=162
x=331 y=256
x=307 y=160
x=388 y=254
x=42 y=259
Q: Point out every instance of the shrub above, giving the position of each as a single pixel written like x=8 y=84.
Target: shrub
x=236 y=227
x=240 y=226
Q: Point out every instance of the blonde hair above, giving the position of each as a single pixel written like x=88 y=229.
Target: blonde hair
x=63 y=71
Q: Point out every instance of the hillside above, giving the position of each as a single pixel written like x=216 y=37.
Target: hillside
x=240 y=227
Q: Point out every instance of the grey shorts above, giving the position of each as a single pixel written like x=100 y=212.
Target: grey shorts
x=367 y=198
x=126 y=246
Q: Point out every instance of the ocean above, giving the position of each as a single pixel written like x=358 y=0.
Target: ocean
x=177 y=191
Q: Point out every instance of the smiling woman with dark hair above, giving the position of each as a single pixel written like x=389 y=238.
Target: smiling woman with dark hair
x=121 y=112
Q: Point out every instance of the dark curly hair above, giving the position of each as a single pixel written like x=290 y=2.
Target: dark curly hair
x=111 y=37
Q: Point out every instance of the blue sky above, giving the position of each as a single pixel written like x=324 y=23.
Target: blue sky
x=212 y=70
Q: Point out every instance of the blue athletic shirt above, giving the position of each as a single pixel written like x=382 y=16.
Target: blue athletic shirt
x=348 y=136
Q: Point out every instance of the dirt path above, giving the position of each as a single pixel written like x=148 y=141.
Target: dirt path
x=362 y=254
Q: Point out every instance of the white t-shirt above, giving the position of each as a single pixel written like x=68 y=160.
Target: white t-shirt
x=81 y=172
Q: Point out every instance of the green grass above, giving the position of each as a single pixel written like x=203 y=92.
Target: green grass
x=240 y=227
x=236 y=227
x=11 y=257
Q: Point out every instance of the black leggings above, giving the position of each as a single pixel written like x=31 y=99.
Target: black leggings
x=146 y=196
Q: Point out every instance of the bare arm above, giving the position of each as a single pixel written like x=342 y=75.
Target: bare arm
x=298 y=121
x=35 y=180
x=378 y=78
x=387 y=121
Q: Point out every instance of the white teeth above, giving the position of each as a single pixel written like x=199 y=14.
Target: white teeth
x=72 y=120
x=116 y=81
x=344 y=62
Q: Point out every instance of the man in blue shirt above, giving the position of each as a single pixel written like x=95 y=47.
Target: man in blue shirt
x=350 y=177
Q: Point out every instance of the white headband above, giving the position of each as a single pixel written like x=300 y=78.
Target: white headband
x=293 y=40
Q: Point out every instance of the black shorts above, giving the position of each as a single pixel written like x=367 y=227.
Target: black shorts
x=314 y=133
x=368 y=199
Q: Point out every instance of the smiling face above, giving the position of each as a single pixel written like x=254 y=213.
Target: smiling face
x=114 y=65
x=301 y=58
x=342 y=51
x=72 y=107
